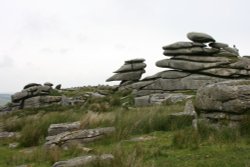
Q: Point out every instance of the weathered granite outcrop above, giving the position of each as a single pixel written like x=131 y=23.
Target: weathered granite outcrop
x=192 y=65
x=225 y=102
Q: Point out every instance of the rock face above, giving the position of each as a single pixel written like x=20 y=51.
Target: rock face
x=131 y=71
x=227 y=101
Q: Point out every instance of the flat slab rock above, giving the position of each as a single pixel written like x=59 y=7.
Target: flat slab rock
x=191 y=51
x=229 y=97
x=131 y=67
x=78 y=136
x=208 y=59
x=200 y=37
x=179 y=45
x=187 y=65
x=55 y=129
x=84 y=160
x=218 y=45
x=138 y=60
x=127 y=76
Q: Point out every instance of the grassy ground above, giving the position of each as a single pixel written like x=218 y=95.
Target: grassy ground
x=172 y=142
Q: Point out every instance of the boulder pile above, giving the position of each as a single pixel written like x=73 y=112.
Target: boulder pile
x=130 y=72
x=225 y=103
x=34 y=95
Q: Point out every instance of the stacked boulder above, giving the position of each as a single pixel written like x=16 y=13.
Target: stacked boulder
x=130 y=72
x=194 y=64
x=191 y=65
x=224 y=104
x=33 y=96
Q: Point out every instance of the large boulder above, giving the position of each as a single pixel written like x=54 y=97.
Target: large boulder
x=200 y=37
x=227 y=97
x=41 y=101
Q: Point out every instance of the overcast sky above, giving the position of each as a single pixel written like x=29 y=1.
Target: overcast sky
x=81 y=42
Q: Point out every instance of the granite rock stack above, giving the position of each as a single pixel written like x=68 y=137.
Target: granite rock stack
x=192 y=64
x=130 y=72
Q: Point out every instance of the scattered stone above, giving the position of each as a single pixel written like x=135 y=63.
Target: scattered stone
x=142 y=138
x=85 y=160
x=5 y=134
x=13 y=145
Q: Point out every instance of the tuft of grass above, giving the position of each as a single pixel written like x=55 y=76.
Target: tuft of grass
x=34 y=132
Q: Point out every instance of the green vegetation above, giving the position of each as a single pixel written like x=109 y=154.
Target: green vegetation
x=172 y=141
